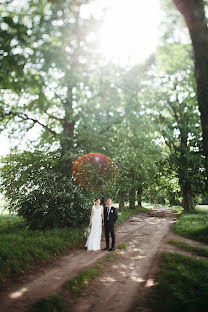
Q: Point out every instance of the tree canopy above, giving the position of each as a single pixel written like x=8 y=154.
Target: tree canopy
x=63 y=100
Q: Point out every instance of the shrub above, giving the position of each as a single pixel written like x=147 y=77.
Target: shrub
x=39 y=187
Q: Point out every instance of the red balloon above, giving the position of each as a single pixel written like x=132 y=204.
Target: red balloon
x=95 y=172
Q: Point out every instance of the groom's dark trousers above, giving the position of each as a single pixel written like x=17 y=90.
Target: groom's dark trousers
x=109 y=221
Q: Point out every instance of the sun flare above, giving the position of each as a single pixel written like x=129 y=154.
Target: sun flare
x=130 y=33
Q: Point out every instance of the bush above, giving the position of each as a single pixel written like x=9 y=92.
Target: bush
x=40 y=188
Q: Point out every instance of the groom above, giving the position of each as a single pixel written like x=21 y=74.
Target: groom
x=110 y=217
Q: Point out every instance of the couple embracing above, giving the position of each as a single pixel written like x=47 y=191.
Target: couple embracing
x=102 y=216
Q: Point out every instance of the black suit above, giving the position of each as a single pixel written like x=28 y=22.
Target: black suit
x=109 y=221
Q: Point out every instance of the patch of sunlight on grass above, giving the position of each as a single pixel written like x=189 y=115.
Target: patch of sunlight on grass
x=148 y=205
x=202 y=207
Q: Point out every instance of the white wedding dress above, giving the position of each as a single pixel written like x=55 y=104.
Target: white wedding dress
x=94 y=238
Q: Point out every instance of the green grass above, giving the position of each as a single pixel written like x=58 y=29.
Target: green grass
x=49 y=304
x=183 y=281
x=20 y=247
x=199 y=251
x=111 y=256
x=77 y=284
x=11 y=223
x=193 y=225
x=122 y=246
x=182 y=284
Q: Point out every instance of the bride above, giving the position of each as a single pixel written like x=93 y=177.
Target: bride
x=96 y=221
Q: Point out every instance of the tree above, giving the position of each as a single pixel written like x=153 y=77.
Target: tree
x=138 y=153
x=55 y=73
x=47 y=91
x=193 y=12
x=120 y=130
x=177 y=120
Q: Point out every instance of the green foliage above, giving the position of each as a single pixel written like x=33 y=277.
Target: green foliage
x=20 y=247
x=71 y=99
x=172 y=96
x=164 y=188
x=39 y=190
x=49 y=304
x=13 y=35
x=11 y=222
x=193 y=225
x=199 y=251
x=182 y=284
x=55 y=83
x=204 y=200
x=179 y=54
x=46 y=57
x=120 y=129
x=77 y=284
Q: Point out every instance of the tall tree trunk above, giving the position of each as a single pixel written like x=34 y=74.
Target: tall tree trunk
x=186 y=188
x=67 y=138
x=187 y=203
x=193 y=12
x=184 y=175
x=132 y=197
x=121 y=200
x=139 y=195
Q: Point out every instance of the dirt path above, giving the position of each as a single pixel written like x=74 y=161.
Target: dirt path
x=117 y=289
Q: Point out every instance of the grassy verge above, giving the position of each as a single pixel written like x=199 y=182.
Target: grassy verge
x=20 y=248
x=183 y=281
x=199 y=251
x=193 y=225
x=182 y=284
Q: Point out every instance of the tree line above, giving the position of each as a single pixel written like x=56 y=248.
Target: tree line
x=148 y=118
